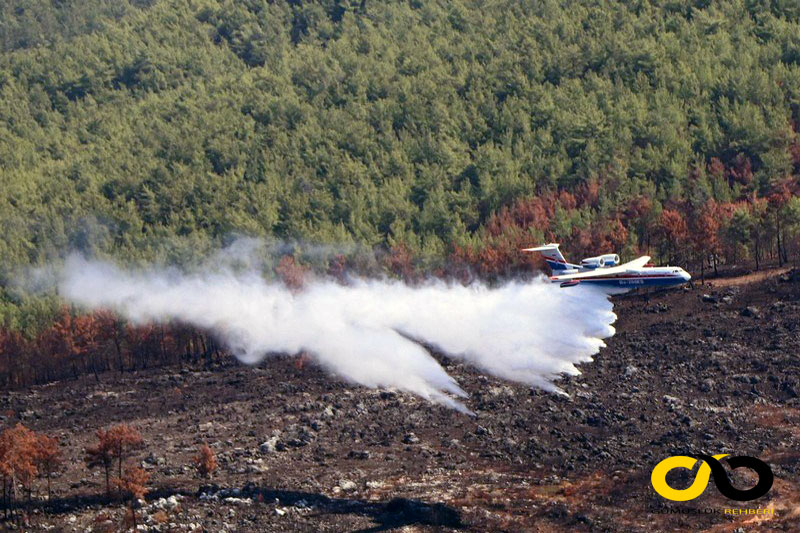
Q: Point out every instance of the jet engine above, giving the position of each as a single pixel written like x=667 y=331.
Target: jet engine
x=610 y=259
x=600 y=261
x=593 y=262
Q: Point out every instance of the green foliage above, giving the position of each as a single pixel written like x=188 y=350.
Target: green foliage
x=153 y=129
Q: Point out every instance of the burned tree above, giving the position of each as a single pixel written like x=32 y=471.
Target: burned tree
x=133 y=486
x=205 y=461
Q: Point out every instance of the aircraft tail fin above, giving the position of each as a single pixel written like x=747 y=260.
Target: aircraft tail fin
x=552 y=255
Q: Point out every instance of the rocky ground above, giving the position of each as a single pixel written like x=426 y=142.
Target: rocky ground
x=696 y=370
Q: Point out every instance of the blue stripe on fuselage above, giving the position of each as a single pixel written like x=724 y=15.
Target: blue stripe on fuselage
x=632 y=283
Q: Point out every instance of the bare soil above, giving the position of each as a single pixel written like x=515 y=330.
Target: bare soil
x=700 y=370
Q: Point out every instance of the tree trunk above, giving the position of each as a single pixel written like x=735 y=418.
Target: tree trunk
x=758 y=253
x=161 y=346
x=785 y=254
x=13 y=496
x=702 y=271
x=119 y=354
x=93 y=364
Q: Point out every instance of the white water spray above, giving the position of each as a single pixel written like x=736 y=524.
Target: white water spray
x=367 y=332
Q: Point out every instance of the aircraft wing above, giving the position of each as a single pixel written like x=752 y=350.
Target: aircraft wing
x=636 y=263
x=594 y=273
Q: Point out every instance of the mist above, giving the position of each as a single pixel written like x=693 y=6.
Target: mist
x=370 y=332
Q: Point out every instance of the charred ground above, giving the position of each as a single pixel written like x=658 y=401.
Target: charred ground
x=706 y=370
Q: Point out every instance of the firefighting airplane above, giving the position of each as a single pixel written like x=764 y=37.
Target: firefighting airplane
x=605 y=270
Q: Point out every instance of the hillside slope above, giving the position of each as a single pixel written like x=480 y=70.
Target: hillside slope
x=135 y=127
x=688 y=371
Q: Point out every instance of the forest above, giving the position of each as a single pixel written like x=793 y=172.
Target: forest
x=443 y=135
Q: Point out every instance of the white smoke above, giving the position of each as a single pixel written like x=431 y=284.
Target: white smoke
x=369 y=331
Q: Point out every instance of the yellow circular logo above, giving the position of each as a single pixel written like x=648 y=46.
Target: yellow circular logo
x=659 y=477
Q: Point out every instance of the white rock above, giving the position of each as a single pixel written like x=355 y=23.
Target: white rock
x=172 y=502
x=347 y=485
x=238 y=501
x=269 y=446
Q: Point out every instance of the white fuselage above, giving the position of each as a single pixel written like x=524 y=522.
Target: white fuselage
x=630 y=278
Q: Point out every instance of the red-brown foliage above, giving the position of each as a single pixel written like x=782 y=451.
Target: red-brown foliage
x=124 y=440
x=205 y=461
x=291 y=273
x=567 y=200
x=673 y=231
x=509 y=230
x=716 y=168
x=780 y=194
x=400 y=261
x=133 y=485
x=639 y=207
x=588 y=193
x=673 y=226
x=115 y=444
x=741 y=170
x=617 y=234
x=337 y=268
x=48 y=458
x=100 y=455
x=24 y=454
x=705 y=231
x=18 y=457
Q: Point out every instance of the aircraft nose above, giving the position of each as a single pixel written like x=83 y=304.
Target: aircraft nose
x=685 y=275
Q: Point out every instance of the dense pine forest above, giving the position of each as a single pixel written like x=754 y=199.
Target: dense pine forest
x=443 y=132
